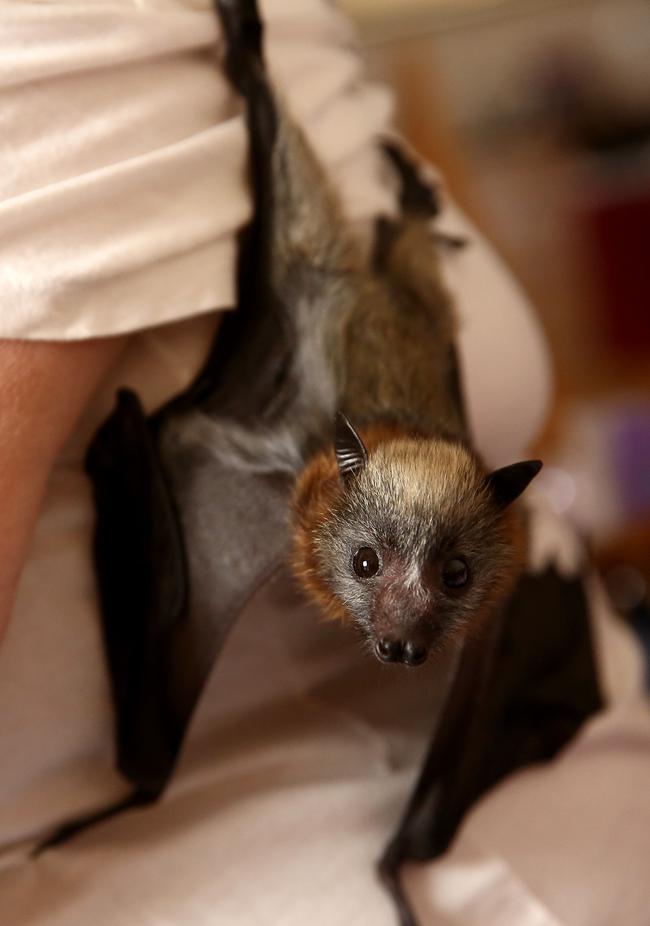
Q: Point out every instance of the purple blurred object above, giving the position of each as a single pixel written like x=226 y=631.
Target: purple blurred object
x=631 y=459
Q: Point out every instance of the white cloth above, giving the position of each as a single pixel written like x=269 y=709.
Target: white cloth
x=123 y=155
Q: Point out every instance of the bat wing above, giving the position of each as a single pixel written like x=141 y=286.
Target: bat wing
x=521 y=693
x=143 y=586
x=182 y=539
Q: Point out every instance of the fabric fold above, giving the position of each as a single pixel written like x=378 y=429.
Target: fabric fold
x=122 y=182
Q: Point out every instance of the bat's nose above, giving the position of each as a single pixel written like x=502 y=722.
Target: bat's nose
x=413 y=654
x=410 y=653
x=389 y=650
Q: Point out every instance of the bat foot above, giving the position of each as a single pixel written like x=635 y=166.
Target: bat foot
x=243 y=31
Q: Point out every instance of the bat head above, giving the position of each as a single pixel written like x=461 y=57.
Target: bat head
x=413 y=541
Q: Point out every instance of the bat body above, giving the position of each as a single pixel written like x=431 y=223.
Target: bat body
x=327 y=426
x=397 y=525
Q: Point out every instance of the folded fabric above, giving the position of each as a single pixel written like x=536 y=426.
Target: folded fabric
x=123 y=155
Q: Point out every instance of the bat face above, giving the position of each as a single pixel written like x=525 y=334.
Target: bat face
x=413 y=547
x=416 y=547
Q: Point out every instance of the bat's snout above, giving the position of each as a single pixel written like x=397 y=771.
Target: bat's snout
x=402 y=625
x=409 y=652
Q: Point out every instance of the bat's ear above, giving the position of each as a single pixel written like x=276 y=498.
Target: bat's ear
x=508 y=483
x=351 y=455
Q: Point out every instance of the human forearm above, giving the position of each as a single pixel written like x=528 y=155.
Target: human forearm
x=43 y=388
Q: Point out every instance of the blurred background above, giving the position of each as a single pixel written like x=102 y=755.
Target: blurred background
x=538 y=114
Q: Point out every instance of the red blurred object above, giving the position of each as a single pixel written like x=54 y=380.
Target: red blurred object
x=618 y=237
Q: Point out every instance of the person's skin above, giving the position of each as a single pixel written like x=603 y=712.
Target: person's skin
x=44 y=387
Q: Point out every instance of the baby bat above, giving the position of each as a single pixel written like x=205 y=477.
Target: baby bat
x=397 y=525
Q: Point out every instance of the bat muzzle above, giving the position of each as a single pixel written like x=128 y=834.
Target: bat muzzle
x=409 y=652
x=403 y=624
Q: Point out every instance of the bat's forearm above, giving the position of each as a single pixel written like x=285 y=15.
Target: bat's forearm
x=44 y=387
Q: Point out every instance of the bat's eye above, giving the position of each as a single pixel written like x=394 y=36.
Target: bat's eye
x=455 y=573
x=366 y=563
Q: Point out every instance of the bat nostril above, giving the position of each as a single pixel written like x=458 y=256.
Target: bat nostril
x=388 y=650
x=414 y=655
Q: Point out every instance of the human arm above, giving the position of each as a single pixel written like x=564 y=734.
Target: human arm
x=44 y=387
